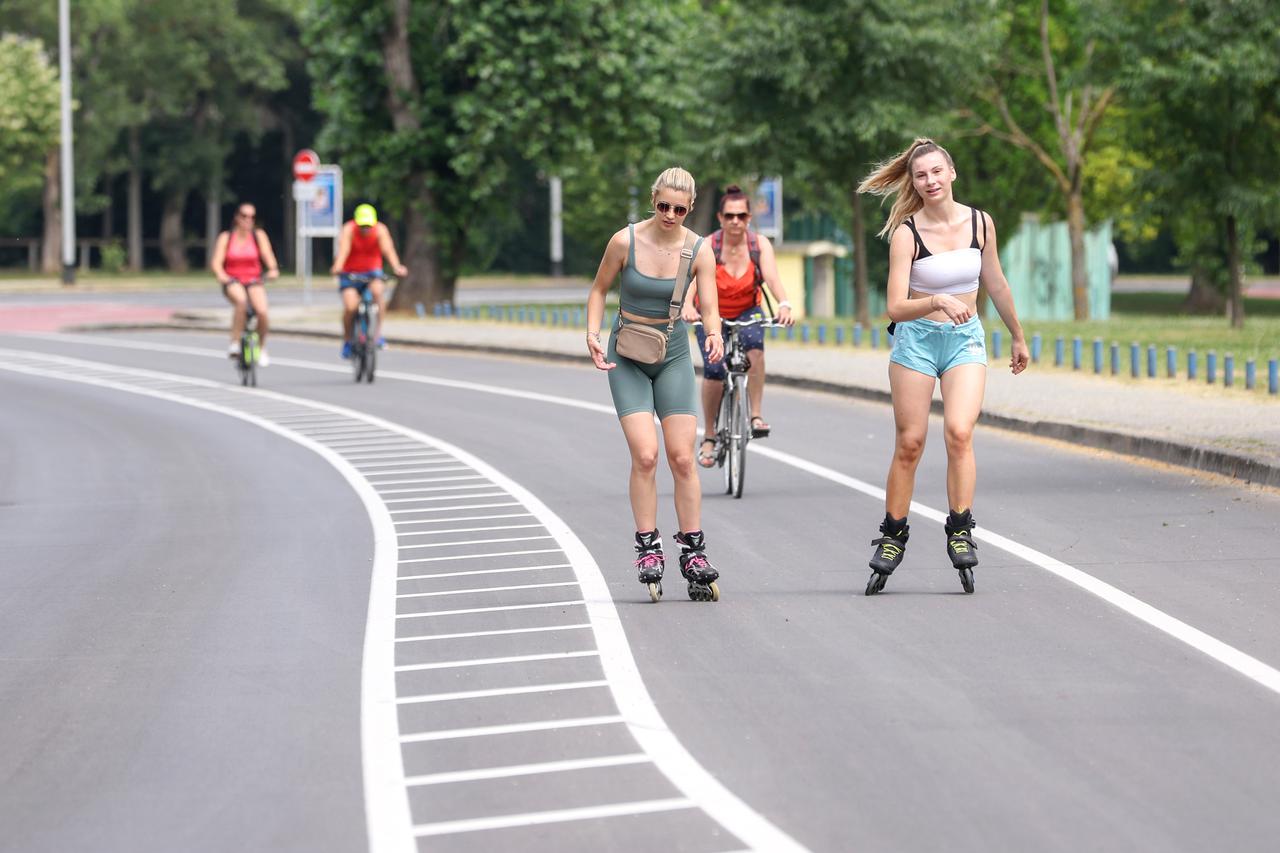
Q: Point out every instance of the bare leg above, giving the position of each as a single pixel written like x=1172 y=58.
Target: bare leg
x=642 y=441
x=712 y=394
x=236 y=296
x=378 y=286
x=755 y=380
x=679 y=433
x=962 y=391
x=258 y=298
x=912 y=394
x=350 y=299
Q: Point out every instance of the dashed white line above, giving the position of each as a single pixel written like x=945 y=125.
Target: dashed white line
x=463 y=529
x=503 y=608
x=528 y=769
x=496 y=633
x=403 y=561
x=470 y=662
x=522 y=690
x=476 y=542
x=513 y=728
x=479 y=590
x=451 y=827
x=465 y=518
x=483 y=572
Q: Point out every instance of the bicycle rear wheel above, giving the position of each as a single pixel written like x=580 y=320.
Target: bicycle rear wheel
x=740 y=432
x=724 y=429
x=370 y=344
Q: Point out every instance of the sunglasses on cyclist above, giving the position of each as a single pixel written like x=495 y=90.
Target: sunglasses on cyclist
x=668 y=207
x=744 y=216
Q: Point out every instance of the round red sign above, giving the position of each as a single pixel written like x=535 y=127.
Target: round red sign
x=305 y=164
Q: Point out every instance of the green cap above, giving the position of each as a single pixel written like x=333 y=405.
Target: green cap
x=366 y=216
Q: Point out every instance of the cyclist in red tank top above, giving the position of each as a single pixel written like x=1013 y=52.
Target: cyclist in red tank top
x=745 y=264
x=363 y=243
x=238 y=258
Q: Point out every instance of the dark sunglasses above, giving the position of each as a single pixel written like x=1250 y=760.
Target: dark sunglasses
x=667 y=207
x=245 y=215
x=732 y=216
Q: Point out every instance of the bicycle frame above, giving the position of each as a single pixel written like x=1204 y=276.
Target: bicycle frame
x=364 y=350
x=733 y=423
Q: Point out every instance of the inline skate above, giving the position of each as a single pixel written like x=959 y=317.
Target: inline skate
x=960 y=546
x=890 y=548
x=650 y=562
x=696 y=568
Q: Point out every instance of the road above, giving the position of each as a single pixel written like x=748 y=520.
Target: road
x=188 y=591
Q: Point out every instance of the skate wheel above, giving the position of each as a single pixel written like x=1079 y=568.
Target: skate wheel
x=966 y=580
x=876 y=583
x=715 y=591
x=655 y=591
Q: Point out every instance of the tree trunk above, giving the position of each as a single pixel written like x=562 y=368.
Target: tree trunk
x=1204 y=296
x=1075 y=233
x=171 y=242
x=1236 y=272
x=108 y=212
x=290 y=238
x=51 y=247
x=212 y=213
x=133 y=225
x=862 y=304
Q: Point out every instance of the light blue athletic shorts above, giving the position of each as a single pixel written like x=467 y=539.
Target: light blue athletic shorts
x=933 y=348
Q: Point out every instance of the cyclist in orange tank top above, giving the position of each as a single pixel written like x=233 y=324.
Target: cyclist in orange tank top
x=744 y=264
x=361 y=246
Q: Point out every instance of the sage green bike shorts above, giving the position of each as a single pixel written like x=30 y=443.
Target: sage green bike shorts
x=665 y=388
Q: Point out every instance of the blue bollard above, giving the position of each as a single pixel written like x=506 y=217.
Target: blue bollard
x=1077 y=352
x=1171 y=362
x=420 y=308
x=542 y=316
x=857 y=335
x=839 y=335
x=1035 y=348
x=1057 y=351
x=875 y=337
x=1211 y=367
x=791 y=333
x=1151 y=361
x=579 y=317
x=521 y=314
x=1273 y=377
x=1097 y=355
x=555 y=318
x=1191 y=364
x=1229 y=370
x=773 y=333
x=1115 y=359
x=995 y=343
x=1133 y=360
x=437 y=309
x=1250 y=374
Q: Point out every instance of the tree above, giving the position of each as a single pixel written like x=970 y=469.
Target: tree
x=1208 y=76
x=29 y=100
x=432 y=107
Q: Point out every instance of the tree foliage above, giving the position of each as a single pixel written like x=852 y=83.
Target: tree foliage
x=28 y=119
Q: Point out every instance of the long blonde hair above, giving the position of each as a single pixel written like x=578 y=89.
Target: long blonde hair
x=676 y=179
x=893 y=177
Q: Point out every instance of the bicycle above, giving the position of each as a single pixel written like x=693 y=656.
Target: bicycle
x=733 y=423
x=364 y=347
x=250 y=348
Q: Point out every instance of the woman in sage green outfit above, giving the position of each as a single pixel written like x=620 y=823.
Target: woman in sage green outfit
x=647 y=255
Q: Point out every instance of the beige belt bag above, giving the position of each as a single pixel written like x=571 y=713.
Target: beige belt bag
x=648 y=344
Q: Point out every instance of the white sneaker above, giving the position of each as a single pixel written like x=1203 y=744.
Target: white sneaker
x=263 y=361
x=233 y=349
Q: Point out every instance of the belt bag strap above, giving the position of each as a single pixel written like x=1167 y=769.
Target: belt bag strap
x=682 y=275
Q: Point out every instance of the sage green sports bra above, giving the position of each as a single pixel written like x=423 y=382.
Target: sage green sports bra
x=643 y=294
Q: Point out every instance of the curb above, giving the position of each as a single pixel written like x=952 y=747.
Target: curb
x=1232 y=465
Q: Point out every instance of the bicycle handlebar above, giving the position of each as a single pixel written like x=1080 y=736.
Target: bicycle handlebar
x=754 y=321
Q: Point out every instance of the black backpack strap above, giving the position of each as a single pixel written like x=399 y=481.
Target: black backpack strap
x=717 y=245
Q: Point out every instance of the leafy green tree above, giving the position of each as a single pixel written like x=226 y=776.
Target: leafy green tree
x=434 y=107
x=28 y=120
x=1208 y=75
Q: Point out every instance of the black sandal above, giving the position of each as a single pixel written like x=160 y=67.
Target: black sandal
x=761 y=431
x=707 y=458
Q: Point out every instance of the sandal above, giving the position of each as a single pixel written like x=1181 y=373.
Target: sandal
x=707 y=458
x=761 y=430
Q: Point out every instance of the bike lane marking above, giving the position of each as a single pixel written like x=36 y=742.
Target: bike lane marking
x=387 y=804
x=1250 y=667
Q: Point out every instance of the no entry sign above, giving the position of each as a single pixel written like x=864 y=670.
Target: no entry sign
x=305 y=164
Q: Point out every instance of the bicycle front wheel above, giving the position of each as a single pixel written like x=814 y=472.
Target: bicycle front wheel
x=739 y=435
x=724 y=429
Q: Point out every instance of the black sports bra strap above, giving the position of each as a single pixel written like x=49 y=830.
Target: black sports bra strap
x=984 y=230
x=921 y=251
x=973 y=219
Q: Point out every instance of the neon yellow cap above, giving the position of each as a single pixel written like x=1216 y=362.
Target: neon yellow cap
x=366 y=216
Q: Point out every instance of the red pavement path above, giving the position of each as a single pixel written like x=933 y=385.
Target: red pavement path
x=51 y=318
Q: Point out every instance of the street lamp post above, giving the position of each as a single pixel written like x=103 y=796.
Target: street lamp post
x=67 y=176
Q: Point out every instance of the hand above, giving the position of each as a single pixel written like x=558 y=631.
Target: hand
x=1019 y=356
x=714 y=346
x=333 y=270
x=273 y=274
x=597 y=353
x=401 y=270
x=784 y=316
x=689 y=313
x=224 y=280
x=956 y=311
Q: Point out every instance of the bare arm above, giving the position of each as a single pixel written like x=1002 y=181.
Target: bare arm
x=704 y=267
x=997 y=286
x=773 y=281
x=219 y=258
x=615 y=255
x=344 y=249
x=900 y=304
x=388 y=247
x=264 y=249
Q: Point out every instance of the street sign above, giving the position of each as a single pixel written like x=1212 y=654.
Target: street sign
x=305 y=164
x=321 y=203
x=766 y=208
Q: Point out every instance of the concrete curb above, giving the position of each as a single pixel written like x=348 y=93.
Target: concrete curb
x=1143 y=447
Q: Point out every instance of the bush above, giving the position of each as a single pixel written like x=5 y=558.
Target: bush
x=113 y=256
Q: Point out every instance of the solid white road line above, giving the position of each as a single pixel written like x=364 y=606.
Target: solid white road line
x=527 y=769
x=454 y=508
x=453 y=530
x=497 y=633
x=500 y=691
x=450 y=827
x=469 y=662
x=484 y=589
x=483 y=572
x=470 y=497
x=464 y=518
x=513 y=728
x=490 y=609
x=480 y=556
x=478 y=542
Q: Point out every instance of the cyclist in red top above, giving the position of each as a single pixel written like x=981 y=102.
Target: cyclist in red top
x=237 y=261
x=744 y=265
x=363 y=242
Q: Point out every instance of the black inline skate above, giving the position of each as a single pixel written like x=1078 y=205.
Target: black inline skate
x=960 y=546
x=650 y=561
x=890 y=548
x=696 y=568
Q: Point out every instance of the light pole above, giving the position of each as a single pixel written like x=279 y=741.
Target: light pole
x=67 y=176
x=557 y=230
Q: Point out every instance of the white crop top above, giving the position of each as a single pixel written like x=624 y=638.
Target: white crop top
x=951 y=272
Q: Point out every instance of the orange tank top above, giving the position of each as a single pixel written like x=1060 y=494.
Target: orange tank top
x=736 y=295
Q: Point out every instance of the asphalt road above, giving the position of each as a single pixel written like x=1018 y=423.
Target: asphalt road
x=1031 y=715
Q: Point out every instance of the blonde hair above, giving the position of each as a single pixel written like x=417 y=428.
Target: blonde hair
x=676 y=179
x=893 y=177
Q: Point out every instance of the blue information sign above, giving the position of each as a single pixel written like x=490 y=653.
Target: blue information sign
x=321 y=206
x=766 y=208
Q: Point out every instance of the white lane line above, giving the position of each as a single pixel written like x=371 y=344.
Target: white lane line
x=513 y=728
x=452 y=827
x=437 y=488
x=357 y=458
x=503 y=631
x=470 y=497
x=406 y=460
x=478 y=542
x=463 y=695
x=442 y=592
x=424 y=468
x=419 y=480
x=480 y=556
x=456 y=508
x=464 y=518
x=462 y=529
x=501 y=609
x=469 y=662
x=527 y=769
x=483 y=572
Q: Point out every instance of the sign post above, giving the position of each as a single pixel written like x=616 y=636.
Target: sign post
x=317 y=192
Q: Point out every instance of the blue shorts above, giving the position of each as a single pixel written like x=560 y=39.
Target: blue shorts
x=752 y=337
x=345 y=279
x=933 y=348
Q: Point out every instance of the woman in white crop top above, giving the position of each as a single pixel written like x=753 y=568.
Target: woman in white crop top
x=940 y=251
